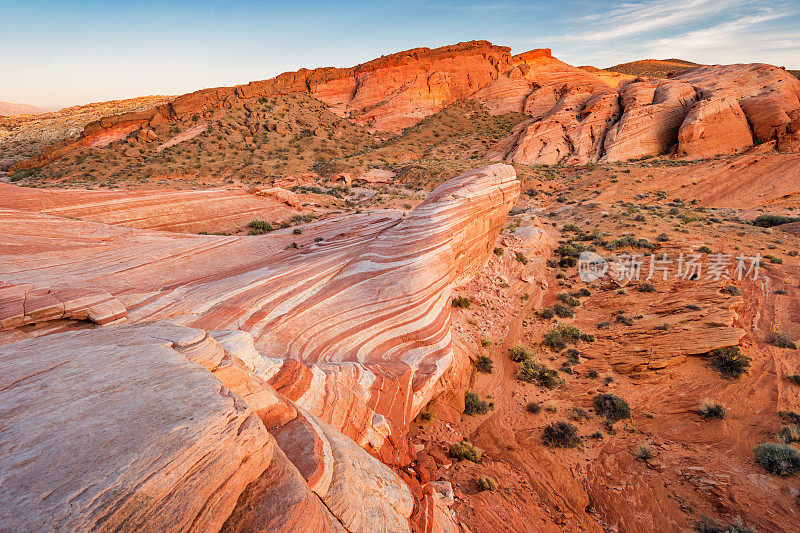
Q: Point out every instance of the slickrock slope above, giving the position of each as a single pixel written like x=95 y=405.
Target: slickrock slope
x=158 y=426
x=353 y=326
x=168 y=210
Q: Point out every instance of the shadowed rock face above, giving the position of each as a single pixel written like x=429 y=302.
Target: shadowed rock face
x=329 y=347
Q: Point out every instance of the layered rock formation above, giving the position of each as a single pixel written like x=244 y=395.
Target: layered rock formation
x=168 y=210
x=578 y=115
x=299 y=358
x=701 y=112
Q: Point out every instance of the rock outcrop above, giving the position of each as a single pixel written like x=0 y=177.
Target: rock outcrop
x=297 y=362
x=701 y=112
x=578 y=115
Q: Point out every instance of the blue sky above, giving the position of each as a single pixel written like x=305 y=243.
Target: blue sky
x=58 y=53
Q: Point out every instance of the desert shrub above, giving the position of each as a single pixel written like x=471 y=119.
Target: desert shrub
x=662 y=237
x=693 y=307
x=259 y=227
x=789 y=434
x=520 y=353
x=729 y=361
x=546 y=313
x=561 y=435
x=709 y=409
x=520 y=257
x=561 y=335
x=768 y=221
x=571 y=227
x=643 y=451
x=563 y=311
x=297 y=231
x=498 y=251
x=461 y=302
x=573 y=356
x=707 y=525
x=605 y=324
x=533 y=407
x=623 y=320
x=773 y=259
x=593 y=374
x=552 y=408
x=465 y=450
x=426 y=416
x=705 y=250
x=530 y=371
x=486 y=483
x=567 y=262
x=794 y=378
x=608 y=380
x=646 y=287
x=484 y=364
x=486 y=342
x=781 y=341
x=578 y=414
x=473 y=405
x=733 y=290
x=777 y=458
x=662 y=327
x=569 y=299
x=611 y=407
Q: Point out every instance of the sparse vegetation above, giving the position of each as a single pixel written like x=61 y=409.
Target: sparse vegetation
x=533 y=407
x=530 y=371
x=707 y=525
x=558 y=337
x=520 y=257
x=733 y=290
x=465 y=450
x=561 y=435
x=643 y=451
x=461 y=302
x=473 y=405
x=426 y=416
x=484 y=364
x=729 y=361
x=259 y=227
x=486 y=483
x=781 y=340
x=709 y=410
x=777 y=458
x=611 y=407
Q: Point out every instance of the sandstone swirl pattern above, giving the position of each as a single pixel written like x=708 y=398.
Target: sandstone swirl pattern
x=345 y=336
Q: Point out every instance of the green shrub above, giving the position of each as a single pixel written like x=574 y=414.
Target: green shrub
x=530 y=371
x=733 y=290
x=473 y=405
x=662 y=237
x=561 y=435
x=461 y=302
x=426 y=416
x=546 y=313
x=611 y=407
x=465 y=450
x=533 y=407
x=484 y=364
x=297 y=231
x=259 y=227
x=777 y=458
x=593 y=374
x=781 y=341
x=569 y=299
x=21 y=174
x=573 y=356
x=707 y=525
x=563 y=311
x=486 y=342
x=498 y=251
x=709 y=409
x=520 y=353
x=789 y=434
x=520 y=257
x=705 y=250
x=605 y=324
x=768 y=221
x=729 y=361
x=486 y=483
x=571 y=227
x=558 y=337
